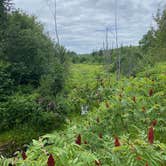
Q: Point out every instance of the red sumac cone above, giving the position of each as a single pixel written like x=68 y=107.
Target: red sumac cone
x=151 y=135
x=116 y=142
x=51 y=161
x=24 y=156
x=78 y=140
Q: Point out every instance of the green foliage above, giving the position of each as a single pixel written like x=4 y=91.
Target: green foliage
x=30 y=62
x=25 y=110
x=6 y=83
x=96 y=57
x=80 y=85
x=132 y=61
x=153 y=43
x=5 y=7
x=27 y=48
x=53 y=81
x=118 y=114
x=17 y=138
x=31 y=52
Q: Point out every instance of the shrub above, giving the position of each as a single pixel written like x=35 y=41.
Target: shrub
x=52 y=83
x=6 y=83
x=23 y=109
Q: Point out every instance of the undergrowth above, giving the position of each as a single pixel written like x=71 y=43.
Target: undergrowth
x=125 y=125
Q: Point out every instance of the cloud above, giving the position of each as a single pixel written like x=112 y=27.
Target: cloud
x=82 y=23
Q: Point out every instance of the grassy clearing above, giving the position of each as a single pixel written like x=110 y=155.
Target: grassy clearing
x=83 y=74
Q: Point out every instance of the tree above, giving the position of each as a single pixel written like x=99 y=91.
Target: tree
x=153 y=43
x=26 y=48
x=147 y=41
x=161 y=31
x=31 y=53
x=5 y=6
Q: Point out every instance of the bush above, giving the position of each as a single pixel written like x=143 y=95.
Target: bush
x=48 y=121
x=52 y=83
x=6 y=83
x=64 y=106
x=24 y=109
x=127 y=128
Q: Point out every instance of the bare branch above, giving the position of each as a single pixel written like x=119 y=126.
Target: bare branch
x=54 y=14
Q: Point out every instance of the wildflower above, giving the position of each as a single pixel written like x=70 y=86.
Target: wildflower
x=51 y=161
x=151 y=135
x=150 y=92
x=24 y=156
x=78 y=140
x=97 y=162
x=116 y=142
x=154 y=123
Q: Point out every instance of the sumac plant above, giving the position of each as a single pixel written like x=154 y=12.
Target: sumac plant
x=126 y=132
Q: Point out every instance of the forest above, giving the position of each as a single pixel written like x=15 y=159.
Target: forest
x=62 y=108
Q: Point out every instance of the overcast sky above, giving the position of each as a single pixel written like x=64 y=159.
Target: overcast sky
x=82 y=23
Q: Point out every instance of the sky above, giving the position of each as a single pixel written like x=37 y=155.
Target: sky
x=82 y=23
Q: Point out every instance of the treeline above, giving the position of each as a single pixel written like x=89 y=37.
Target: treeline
x=151 y=50
x=153 y=44
x=96 y=57
x=32 y=74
